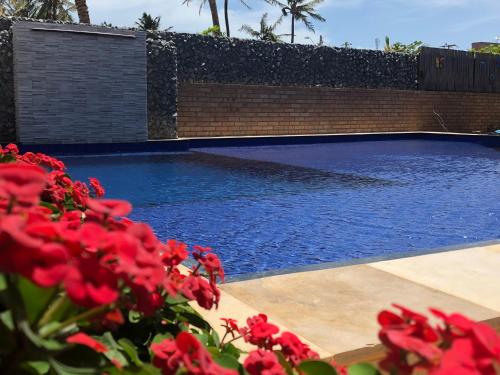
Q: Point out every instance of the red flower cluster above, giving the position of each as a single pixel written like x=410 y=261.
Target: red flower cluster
x=188 y=354
x=53 y=232
x=261 y=333
x=262 y=362
x=460 y=347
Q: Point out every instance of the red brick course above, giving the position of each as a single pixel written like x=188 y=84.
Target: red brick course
x=215 y=110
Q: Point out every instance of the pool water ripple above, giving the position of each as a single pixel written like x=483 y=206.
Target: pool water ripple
x=276 y=207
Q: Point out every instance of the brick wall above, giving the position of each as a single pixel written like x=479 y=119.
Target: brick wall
x=214 y=110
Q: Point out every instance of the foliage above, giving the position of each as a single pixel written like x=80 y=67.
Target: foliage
x=300 y=10
x=492 y=48
x=85 y=290
x=410 y=49
x=147 y=22
x=19 y=8
x=212 y=31
x=60 y=10
x=266 y=32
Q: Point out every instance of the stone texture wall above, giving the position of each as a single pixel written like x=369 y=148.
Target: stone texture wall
x=7 y=106
x=222 y=60
x=162 y=87
x=78 y=84
x=215 y=110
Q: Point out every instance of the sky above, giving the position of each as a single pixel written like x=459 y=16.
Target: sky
x=359 y=22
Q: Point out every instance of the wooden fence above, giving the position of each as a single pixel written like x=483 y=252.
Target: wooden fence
x=451 y=70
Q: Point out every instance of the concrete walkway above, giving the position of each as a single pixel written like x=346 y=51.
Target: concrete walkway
x=335 y=309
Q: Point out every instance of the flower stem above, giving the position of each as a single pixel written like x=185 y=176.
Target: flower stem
x=75 y=319
x=53 y=307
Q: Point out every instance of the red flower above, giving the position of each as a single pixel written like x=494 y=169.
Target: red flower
x=97 y=187
x=213 y=266
x=89 y=284
x=80 y=192
x=11 y=148
x=473 y=346
x=174 y=253
x=147 y=303
x=110 y=207
x=259 y=332
x=43 y=159
x=23 y=183
x=261 y=362
x=197 y=288
x=230 y=324
x=186 y=351
x=84 y=339
x=409 y=333
x=295 y=350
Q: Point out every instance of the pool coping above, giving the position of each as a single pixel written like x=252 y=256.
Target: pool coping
x=358 y=261
x=186 y=144
x=336 y=308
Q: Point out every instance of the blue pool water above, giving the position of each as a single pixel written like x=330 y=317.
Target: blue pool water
x=276 y=207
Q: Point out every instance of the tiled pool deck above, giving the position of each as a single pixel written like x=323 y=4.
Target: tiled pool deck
x=335 y=309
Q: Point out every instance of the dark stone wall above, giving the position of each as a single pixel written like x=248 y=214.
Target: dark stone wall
x=7 y=107
x=222 y=60
x=162 y=87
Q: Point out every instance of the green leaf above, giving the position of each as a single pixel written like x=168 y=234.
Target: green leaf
x=7 y=338
x=113 y=353
x=312 y=367
x=134 y=316
x=283 y=362
x=47 y=344
x=35 y=298
x=48 y=327
x=3 y=283
x=50 y=206
x=146 y=369
x=62 y=369
x=7 y=320
x=36 y=367
x=203 y=338
x=362 y=369
x=131 y=351
x=231 y=350
x=214 y=338
x=178 y=300
x=227 y=361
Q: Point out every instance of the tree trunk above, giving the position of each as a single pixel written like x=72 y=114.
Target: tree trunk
x=293 y=28
x=83 y=11
x=215 y=14
x=226 y=16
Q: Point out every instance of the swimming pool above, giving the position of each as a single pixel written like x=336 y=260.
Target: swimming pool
x=283 y=206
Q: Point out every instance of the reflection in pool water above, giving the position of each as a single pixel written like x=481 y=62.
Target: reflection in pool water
x=273 y=207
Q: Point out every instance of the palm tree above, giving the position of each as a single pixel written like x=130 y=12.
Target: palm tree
x=226 y=14
x=19 y=8
x=59 y=10
x=300 y=10
x=83 y=11
x=266 y=32
x=213 y=10
x=147 y=22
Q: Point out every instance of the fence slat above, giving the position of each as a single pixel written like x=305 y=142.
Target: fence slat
x=452 y=70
